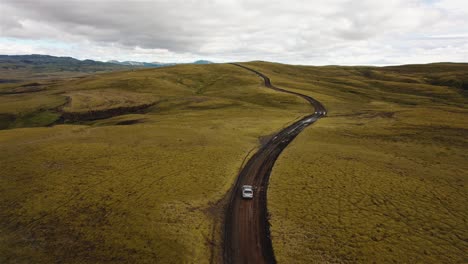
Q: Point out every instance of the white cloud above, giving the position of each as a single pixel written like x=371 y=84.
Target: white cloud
x=306 y=32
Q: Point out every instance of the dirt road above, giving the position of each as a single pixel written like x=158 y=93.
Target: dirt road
x=247 y=231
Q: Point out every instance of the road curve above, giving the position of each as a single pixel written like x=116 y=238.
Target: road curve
x=246 y=229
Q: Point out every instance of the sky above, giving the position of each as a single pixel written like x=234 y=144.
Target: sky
x=309 y=32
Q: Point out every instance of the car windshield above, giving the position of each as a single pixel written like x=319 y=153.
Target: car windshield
x=247 y=191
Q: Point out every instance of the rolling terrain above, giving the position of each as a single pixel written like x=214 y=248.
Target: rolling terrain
x=137 y=166
x=135 y=187
x=383 y=177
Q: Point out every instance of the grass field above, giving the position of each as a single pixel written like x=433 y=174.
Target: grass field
x=134 y=188
x=138 y=170
x=383 y=178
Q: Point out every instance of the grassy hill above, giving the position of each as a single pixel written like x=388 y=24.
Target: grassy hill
x=135 y=186
x=133 y=166
x=382 y=178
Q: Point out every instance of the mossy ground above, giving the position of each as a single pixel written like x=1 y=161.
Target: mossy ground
x=136 y=188
x=381 y=179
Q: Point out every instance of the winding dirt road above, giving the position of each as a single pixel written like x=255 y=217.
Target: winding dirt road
x=247 y=231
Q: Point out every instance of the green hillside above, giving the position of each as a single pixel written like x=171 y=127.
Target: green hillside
x=134 y=166
x=382 y=179
x=137 y=186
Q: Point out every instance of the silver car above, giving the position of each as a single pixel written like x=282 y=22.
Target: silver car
x=247 y=192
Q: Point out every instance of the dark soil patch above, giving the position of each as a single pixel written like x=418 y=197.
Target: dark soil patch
x=26 y=88
x=380 y=114
x=6 y=120
x=9 y=81
x=129 y=122
x=369 y=115
x=70 y=117
x=31 y=84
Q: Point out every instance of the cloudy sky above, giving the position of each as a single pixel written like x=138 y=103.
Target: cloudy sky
x=311 y=32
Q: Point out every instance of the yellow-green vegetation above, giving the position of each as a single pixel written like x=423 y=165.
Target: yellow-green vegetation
x=96 y=100
x=140 y=174
x=383 y=178
x=29 y=109
x=104 y=103
x=134 y=188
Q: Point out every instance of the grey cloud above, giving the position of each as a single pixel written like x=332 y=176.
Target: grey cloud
x=301 y=30
x=145 y=24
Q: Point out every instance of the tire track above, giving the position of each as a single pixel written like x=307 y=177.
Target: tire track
x=246 y=227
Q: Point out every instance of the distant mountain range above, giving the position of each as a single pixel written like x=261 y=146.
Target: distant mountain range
x=154 y=64
x=52 y=62
x=36 y=59
x=17 y=67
